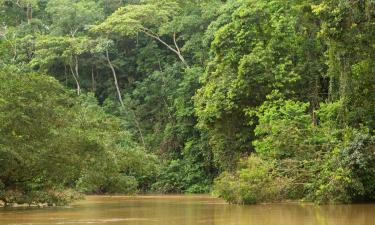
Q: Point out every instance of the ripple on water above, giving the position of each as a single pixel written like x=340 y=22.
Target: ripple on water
x=101 y=221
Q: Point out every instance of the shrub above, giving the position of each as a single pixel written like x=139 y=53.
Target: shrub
x=348 y=174
x=254 y=182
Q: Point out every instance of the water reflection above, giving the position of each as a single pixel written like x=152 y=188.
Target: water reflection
x=189 y=210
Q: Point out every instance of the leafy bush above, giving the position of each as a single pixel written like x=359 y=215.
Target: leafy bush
x=137 y=172
x=121 y=184
x=178 y=176
x=281 y=120
x=296 y=159
x=348 y=173
x=254 y=182
x=53 y=142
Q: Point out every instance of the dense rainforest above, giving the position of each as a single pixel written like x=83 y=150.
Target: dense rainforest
x=252 y=100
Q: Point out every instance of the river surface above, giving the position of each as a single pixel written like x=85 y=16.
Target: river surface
x=188 y=210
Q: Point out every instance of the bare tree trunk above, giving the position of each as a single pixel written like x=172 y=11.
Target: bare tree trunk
x=120 y=98
x=115 y=79
x=76 y=65
x=29 y=13
x=138 y=128
x=93 y=82
x=66 y=76
x=76 y=80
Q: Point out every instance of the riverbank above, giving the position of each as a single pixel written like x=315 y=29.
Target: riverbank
x=105 y=197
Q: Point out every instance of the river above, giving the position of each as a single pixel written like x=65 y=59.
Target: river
x=187 y=210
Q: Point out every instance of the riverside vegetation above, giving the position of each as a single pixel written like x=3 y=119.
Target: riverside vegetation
x=255 y=100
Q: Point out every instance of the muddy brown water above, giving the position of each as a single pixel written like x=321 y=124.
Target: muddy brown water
x=188 y=210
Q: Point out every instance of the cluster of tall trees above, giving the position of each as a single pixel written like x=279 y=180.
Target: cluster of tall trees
x=260 y=100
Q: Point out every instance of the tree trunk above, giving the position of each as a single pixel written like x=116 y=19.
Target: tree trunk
x=120 y=98
x=345 y=87
x=315 y=102
x=29 y=12
x=76 y=80
x=66 y=76
x=93 y=82
x=76 y=66
x=115 y=79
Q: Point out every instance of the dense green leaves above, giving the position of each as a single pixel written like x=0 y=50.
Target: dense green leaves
x=35 y=121
x=71 y=17
x=51 y=140
x=131 y=19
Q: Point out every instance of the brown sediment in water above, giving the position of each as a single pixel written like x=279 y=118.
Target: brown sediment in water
x=189 y=210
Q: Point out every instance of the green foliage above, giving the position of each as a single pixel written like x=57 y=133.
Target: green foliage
x=254 y=182
x=180 y=176
x=280 y=120
x=348 y=29
x=51 y=50
x=71 y=17
x=252 y=55
x=347 y=174
x=323 y=163
x=35 y=110
x=131 y=19
x=68 y=140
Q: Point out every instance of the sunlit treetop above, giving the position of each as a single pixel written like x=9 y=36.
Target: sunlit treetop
x=131 y=19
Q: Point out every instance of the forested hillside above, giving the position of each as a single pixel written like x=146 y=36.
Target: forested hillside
x=255 y=100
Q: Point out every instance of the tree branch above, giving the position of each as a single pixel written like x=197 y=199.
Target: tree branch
x=175 y=50
x=120 y=98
